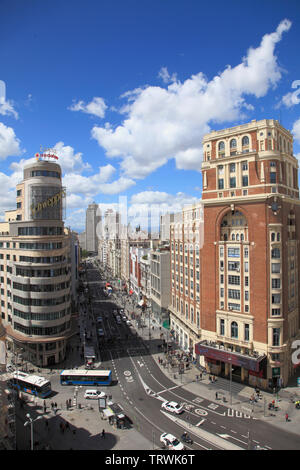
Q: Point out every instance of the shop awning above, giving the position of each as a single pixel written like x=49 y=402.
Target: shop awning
x=130 y=292
x=212 y=351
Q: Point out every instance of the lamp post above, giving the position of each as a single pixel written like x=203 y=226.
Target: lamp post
x=31 y=421
x=230 y=380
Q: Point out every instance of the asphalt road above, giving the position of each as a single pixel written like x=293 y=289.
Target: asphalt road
x=142 y=387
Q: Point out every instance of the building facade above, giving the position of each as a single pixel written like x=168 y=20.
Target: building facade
x=160 y=282
x=35 y=268
x=249 y=315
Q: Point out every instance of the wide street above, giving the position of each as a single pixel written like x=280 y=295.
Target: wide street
x=142 y=384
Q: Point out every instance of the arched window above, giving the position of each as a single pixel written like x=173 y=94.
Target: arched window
x=272 y=237
x=242 y=237
x=237 y=237
x=278 y=237
x=233 y=237
x=221 y=146
x=245 y=141
x=234 y=330
x=233 y=143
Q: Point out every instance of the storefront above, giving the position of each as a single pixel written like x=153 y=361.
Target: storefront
x=243 y=367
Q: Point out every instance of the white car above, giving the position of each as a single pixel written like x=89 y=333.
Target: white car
x=94 y=394
x=171 y=442
x=128 y=322
x=124 y=318
x=172 y=406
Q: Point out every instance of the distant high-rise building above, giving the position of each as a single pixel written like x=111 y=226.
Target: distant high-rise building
x=92 y=220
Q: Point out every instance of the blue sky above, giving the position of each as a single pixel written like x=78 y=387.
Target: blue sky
x=125 y=90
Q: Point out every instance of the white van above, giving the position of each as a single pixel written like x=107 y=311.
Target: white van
x=94 y=394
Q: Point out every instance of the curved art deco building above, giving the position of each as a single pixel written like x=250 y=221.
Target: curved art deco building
x=35 y=268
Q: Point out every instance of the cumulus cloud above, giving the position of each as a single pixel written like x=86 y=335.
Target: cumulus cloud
x=165 y=76
x=292 y=98
x=296 y=130
x=96 y=107
x=69 y=160
x=164 y=123
x=9 y=143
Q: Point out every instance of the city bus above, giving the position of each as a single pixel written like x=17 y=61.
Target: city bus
x=33 y=384
x=85 y=377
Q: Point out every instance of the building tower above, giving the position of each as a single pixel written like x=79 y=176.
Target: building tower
x=249 y=259
x=35 y=267
x=91 y=222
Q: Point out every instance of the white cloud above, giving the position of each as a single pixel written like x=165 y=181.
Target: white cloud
x=89 y=185
x=296 y=130
x=69 y=160
x=9 y=143
x=96 y=107
x=7 y=108
x=164 y=123
x=165 y=76
x=292 y=98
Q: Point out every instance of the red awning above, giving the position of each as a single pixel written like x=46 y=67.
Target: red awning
x=130 y=292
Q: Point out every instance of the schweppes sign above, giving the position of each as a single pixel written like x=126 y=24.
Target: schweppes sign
x=50 y=202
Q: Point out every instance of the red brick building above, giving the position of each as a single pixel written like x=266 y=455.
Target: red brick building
x=249 y=295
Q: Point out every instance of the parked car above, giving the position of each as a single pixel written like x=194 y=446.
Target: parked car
x=99 y=319
x=100 y=332
x=124 y=318
x=171 y=442
x=118 y=320
x=128 y=322
x=94 y=394
x=172 y=406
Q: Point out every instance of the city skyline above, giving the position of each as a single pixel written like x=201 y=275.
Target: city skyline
x=125 y=94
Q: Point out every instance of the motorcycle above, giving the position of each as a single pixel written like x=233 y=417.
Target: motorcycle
x=186 y=438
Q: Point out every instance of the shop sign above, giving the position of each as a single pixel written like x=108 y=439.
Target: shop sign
x=50 y=202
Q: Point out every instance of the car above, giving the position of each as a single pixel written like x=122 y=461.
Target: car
x=121 y=311
x=94 y=394
x=124 y=318
x=172 y=406
x=171 y=442
x=99 y=319
x=118 y=320
x=128 y=322
x=100 y=332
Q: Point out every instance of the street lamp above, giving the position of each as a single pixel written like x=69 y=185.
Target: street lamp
x=230 y=382
x=31 y=421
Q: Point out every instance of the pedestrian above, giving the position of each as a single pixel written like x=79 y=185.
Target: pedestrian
x=286 y=417
x=216 y=395
x=67 y=404
x=67 y=426
x=200 y=375
x=103 y=433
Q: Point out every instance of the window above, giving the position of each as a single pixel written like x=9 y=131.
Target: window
x=275 y=283
x=234 y=252
x=246 y=296
x=246 y=266
x=234 y=330
x=222 y=279
x=19 y=205
x=245 y=181
x=276 y=337
x=275 y=254
x=245 y=192
x=19 y=192
x=234 y=280
x=246 y=281
x=278 y=237
x=232 y=167
x=222 y=292
x=272 y=237
x=222 y=327
x=273 y=177
x=276 y=298
x=221 y=146
x=233 y=265
x=273 y=164
x=244 y=166
x=276 y=312
x=246 y=252
x=232 y=182
x=220 y=183
x=234 y=294
x=233 y=143
x=245 y=141
x=247 y=332
x=233 y=306
x=275 y=268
